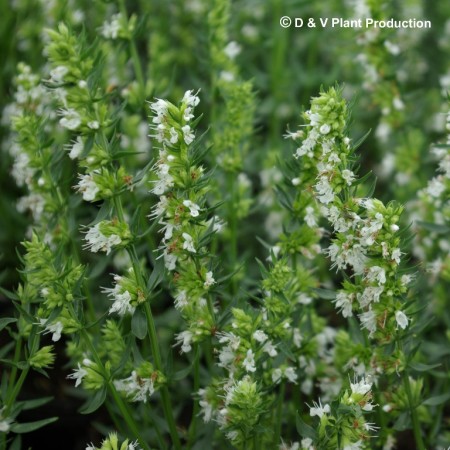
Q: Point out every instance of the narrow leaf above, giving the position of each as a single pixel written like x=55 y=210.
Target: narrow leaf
x=419 y=367
x=304 y=430
x=437 y=400
x=139 y=324
x=94 y=402
x=31 y=426
x=6 y=321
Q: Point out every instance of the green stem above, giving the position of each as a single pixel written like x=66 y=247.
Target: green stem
x=232 y=223
x=279 y=413
x=164 y=389
x=12 y=378
x=277 y=63
x=414 y=417
x=18 y=386
x=195 y=409
x=111 y=388
x=16 y=390
x=168 y=413
x=133 y=50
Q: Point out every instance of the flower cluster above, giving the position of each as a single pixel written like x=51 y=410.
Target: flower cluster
x=432 y=216
x=56 y=286
x=181 y=185
x=30 y=148
x=106 y=235
x=366 y=232
x=242 y=410
x=141 y=384
x=112 y=443
x=126 y=293
x=118 y=27
x=344 y=426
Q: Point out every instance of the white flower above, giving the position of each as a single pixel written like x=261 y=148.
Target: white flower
x=76 y=148
x=324 y=189
x=193 y=208
x=297 y=338
x=209 y=280
x=310 y=217
x=435 y=187
x=93 y=125
x=396 y=253
x=398 y=104
x=170 y=260
x=54 y=328
x=260 y=336
x=307 y=444
x=110 y=30
x=96 y=240
x=165 y=180
x=406 y=279
x=402 y=319
x=87 y=187
x=369 y=321
x=232 y=49
x=181 y=300
x=369 y=295
x=185 y=339
x=189 y=136
x=173 y=135
x=348 y=176
x=122 y=301
x=70 y=120
x=325 y=128
x=206 y=407
x=270 y=349
x=355 y=446
x=249 y=362
x=277 y=374
x=319 y=410
x=308 y=144
x=377 y=274
x=361 y=387
x=188 y=243
x=5 y=422
x=229 y=338
x=138 y=388
x=78 y=375
x=191 y=99
x=291 y=374
x=226 y=356
x=57 y=74
x=343 y=302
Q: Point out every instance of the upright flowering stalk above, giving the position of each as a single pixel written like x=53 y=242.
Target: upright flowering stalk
x=382 y=55
x=343 y=425
x=181 y=185
x=276 y=346
x=232 y=117
x=432 y=216
x=366 y=239
x=34 y=160
x=47 y=297
x=88 y=113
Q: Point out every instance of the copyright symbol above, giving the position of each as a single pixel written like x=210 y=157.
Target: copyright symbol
x=285 y=21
